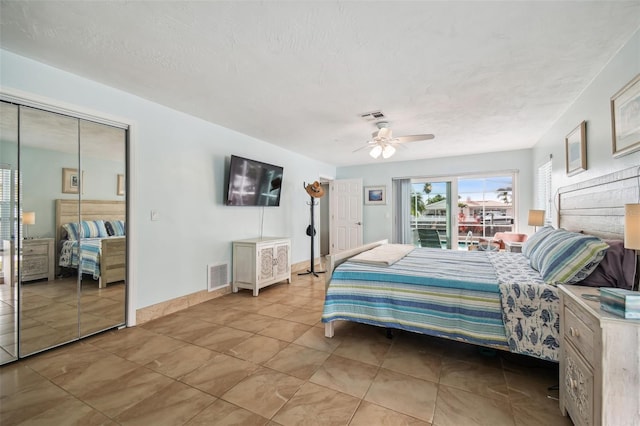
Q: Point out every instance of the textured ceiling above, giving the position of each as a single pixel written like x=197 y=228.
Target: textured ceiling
x=482 y=76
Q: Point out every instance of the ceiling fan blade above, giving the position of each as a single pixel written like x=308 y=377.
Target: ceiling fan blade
x=413 y=138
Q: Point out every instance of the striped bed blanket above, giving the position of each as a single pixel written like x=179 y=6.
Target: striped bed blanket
x=446 y=293
x=90 y=255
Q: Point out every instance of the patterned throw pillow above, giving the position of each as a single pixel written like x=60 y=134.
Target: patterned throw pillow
x=115 y=228
x=534 y=241
x=89 y=228
x=567 y=257
x=72 y=231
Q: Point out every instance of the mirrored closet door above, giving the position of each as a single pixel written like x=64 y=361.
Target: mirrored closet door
x=65 y=223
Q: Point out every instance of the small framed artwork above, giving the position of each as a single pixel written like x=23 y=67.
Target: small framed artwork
x=625 y=119
x=375 y=195
x=120 y=185
x=70 y=181
x=576 y=149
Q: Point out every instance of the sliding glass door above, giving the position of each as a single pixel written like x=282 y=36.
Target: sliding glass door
x=461 y=209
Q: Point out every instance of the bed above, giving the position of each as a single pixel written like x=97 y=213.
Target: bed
x=492 y=299
x=103 y=255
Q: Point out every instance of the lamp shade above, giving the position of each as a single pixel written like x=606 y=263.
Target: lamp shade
x=388 y=151
x=632 y=226
x=376 y=151
x=536 y=217
x=28 y=218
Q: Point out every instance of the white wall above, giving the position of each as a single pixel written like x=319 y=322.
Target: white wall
x=179 y=170
x=378 y=219
x=593 y=105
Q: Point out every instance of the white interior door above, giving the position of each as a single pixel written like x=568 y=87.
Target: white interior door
x=345 y=219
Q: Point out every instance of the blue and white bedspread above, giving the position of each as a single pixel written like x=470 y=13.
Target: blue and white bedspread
x=90 y=255
x=530 y=307
x=445 y=293
x=485 y=298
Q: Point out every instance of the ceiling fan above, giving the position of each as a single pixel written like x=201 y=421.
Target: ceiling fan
x=383 y=142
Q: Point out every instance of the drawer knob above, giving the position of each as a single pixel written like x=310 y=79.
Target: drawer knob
x=573 y=332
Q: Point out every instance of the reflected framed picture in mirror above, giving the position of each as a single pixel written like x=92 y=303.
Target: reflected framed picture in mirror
x=120 y=185
x=71 y=181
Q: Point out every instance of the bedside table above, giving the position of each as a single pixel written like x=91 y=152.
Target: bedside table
x=38 y=259
x=513 y=246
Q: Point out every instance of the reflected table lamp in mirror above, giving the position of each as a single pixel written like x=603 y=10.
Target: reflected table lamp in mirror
x=28 y=218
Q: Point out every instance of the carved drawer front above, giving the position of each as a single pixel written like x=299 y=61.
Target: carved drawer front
x=266 y=263
x=579 y=389
x=579 y=333
x=282 y=259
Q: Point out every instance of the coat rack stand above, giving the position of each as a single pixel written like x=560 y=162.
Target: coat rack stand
x=312 y=270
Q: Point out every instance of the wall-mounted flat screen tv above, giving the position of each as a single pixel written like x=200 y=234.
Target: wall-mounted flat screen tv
x=253 y=183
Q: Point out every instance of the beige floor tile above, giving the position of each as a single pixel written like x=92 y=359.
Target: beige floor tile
x=456 y=407
x=285 y=330
x=264 y=392
x=250 y=322
x=314 y=338
x=148 y=348
x=70 y=412
x=16 y=377
x=172 y=405
x=94 y=376
x=317 y=405
x=305 y=316
x=405 y=394
x=30 y=401
x=474 y=378
x=414 y=357
x=370 y=348
x=276 y=310
x=222 y=338
x=258 y=349
x=220 y=374
x=182 y=361
x=66 y=360
x=369 y=414
x=223 y=413
x=536 y=412
x=115 y=396
x=297 y=361
x=345 y=375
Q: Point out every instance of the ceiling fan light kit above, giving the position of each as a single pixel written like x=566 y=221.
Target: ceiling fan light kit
x=382 y=141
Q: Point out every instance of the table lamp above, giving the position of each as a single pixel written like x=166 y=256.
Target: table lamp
x=536 y=218
x=28 y=218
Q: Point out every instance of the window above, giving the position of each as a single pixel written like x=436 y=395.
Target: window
x=544 y=199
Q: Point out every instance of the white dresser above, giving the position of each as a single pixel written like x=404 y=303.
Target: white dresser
x=259 y=262
x=599 y=362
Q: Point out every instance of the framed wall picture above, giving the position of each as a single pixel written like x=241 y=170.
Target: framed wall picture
x=120 y=185
x=576 y=149
x=70 y=181
x=625 y=118
x=376 y=195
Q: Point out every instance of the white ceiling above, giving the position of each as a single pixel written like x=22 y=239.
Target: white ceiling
x=482 y=76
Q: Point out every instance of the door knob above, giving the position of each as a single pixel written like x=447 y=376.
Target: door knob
x=358 y=223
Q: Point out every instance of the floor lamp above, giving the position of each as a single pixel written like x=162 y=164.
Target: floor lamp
x=536 y=218
x=315 y=190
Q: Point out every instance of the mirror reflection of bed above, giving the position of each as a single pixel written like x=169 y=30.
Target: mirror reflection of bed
x=102 y=258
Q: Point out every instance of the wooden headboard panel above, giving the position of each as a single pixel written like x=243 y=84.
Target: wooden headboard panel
x=596 y=206
x=67 y=212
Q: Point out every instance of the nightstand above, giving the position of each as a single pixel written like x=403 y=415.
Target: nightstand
x=38 y=259
x=513 y=246
x=599 y=364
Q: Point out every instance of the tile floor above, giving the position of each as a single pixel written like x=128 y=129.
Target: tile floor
x=264 y=360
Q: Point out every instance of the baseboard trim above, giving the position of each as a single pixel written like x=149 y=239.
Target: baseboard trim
x=179 y=303
x=174 y=305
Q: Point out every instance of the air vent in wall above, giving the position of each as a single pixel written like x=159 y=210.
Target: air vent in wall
x=217 y=276
x=373 y=116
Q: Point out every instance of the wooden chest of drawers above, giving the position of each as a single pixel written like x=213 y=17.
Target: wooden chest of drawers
x=599 y=362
